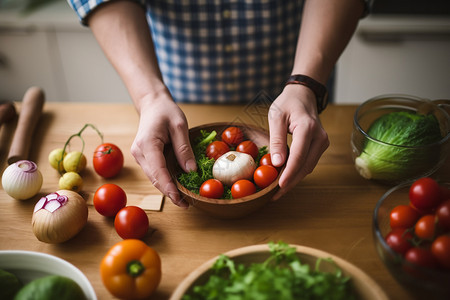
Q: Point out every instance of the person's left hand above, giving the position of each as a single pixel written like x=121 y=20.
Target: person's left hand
x=294 y=111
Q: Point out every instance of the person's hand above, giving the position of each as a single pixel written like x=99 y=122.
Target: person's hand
x=294 y=111
x=162 y=122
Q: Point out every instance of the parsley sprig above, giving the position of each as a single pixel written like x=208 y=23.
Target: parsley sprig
x=281 y=276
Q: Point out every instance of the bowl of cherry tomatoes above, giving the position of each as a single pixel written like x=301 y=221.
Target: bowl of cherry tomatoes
x=411 y=229
x=235 y=175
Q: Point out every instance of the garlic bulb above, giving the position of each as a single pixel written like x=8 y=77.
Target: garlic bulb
x=22 y=180
x=59 y=216
x=233 y=166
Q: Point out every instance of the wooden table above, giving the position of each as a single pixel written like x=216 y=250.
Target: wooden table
x=330 y=210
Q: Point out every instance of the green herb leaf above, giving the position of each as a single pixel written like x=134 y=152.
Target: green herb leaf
x=281 y=276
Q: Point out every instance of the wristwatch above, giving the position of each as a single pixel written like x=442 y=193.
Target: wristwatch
x=319 y=89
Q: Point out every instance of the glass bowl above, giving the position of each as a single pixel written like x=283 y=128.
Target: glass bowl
x=420 y=281
x=403 y=163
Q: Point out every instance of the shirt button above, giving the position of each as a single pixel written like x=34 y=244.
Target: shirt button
x=226 y=13
x=228 y=48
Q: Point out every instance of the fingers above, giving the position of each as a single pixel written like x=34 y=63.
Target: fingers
x=153 y=163
x=182 y=147
x=278 y=137
x=308 y=145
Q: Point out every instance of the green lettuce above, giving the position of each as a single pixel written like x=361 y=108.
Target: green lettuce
x=397 y=148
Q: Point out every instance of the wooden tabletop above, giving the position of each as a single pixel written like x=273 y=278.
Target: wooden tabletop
x=330 y=210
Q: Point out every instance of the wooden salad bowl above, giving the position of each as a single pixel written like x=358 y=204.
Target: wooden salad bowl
x=364 y=287
x=224 y=208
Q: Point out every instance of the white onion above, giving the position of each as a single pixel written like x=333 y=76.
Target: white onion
x=22 y=180
x=233 y=166
x=59 y=216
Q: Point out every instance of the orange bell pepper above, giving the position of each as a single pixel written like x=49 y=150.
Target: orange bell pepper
x=131 y=270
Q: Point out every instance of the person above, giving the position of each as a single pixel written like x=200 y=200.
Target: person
x=169 y=51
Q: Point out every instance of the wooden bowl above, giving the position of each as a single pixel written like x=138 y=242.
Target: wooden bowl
x=365 y=288
x=224 y=208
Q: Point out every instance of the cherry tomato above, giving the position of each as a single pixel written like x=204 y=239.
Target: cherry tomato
x=403 y=216
x=399 y=240
x=233 y=136
x=425 y=227
x=265 y=175
x=212 y=188
x=248 y=147
x=108 y=160
x=216 y=149
x=109 y=199
x=441 y=250
x=443 y=215
x=266 y=160
x=425 y=194
x=131 y=222
x=421 y=256
x=242 y=188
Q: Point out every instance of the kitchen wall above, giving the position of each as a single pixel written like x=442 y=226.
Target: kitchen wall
x=50 y=48
x=403 y=47
x=393 y=51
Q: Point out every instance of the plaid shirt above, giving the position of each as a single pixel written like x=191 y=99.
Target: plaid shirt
x=212 y=51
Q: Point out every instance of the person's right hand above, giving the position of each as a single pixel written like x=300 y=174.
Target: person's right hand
x=162 y=122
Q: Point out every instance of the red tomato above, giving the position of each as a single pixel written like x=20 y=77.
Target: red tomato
x=265 y=175
x=212 y=188
x=109 y=199
x=131 y=222
x=421 y=256
x=266 y=160
x=248 y=147
x=403 y=216
x=242 y=188
x=425 y=227
x=399 y=240
x=441 y=250
x=216 y=149
x=425 y=194
x=108 y=160
x=443 y=215
x=233 y=136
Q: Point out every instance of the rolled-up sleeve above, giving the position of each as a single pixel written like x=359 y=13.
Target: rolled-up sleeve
x=83 y=8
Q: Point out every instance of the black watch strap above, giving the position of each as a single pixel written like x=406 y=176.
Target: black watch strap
x=319 y=89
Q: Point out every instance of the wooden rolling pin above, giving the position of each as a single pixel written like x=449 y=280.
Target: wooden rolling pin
x=30 y=112
x=7 y=111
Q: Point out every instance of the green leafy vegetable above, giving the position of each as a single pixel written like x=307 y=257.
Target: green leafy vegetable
x=281 y=276
x=202 y=141
x=194 y=179
x=394 y=157
x=261 y=152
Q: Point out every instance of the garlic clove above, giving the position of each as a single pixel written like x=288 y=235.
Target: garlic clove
x=233 y=166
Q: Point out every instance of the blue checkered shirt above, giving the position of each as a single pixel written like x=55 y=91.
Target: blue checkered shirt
x=220 y=51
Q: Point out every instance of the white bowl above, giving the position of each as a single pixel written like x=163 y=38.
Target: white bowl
x=29 y=265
